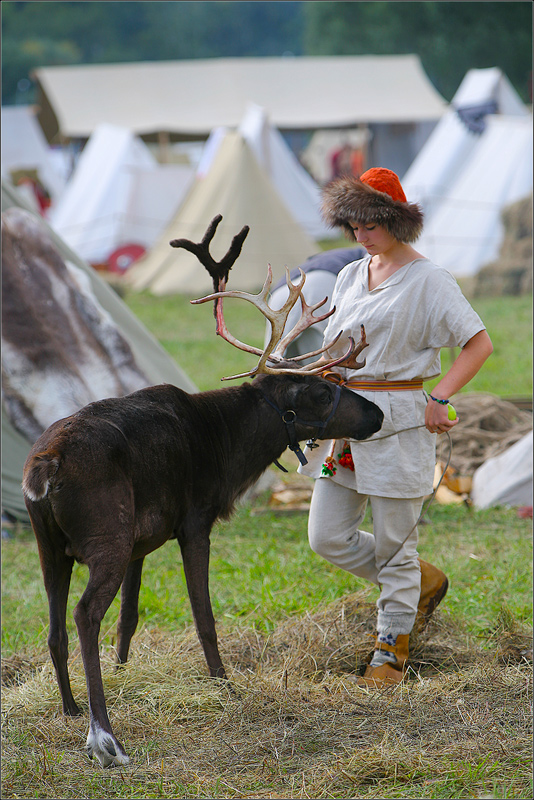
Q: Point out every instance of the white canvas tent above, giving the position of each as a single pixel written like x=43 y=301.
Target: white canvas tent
x=236 y=187
x=477 y=160
x=24 y=147
x=390 y=94
x=295 y=186
x=298 y=190
x=151 y=358
x=118 y=195
x=303 y=93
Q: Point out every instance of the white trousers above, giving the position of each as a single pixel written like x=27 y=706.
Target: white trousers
x=387 y=557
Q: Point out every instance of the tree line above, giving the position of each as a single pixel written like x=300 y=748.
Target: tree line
x=449 y=37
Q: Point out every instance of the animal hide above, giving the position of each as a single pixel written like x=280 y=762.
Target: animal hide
x=60 y=348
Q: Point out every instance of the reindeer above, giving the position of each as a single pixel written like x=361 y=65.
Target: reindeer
x=111 y=483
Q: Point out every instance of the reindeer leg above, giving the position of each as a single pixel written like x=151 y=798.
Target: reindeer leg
x=195 y=554
x=56 y=567
x=57 y=570
x=129 y=615
x=105 y=577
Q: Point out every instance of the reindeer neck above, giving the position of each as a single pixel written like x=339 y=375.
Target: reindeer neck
x=252 y=430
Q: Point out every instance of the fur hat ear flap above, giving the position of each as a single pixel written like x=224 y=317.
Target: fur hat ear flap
x=350 y=200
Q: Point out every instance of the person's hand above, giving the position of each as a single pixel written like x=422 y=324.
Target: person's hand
x=437 y=417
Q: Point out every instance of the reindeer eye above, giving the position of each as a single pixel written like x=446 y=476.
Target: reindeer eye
x=322 y=394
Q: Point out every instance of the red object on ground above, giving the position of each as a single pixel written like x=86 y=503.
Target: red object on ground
x=123 y=257
x=525 y=512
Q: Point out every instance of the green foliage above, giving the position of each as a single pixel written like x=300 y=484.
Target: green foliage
x=19 y=58
x=450 y=37
x=107 y=32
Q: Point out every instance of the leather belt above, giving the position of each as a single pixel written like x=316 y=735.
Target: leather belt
x=375 y=386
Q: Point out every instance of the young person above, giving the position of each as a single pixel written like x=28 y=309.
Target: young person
x=410 y=309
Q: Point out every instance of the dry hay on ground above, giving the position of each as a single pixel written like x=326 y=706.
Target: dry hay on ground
x=297 y=726
x=488 y=426
x=511 y=272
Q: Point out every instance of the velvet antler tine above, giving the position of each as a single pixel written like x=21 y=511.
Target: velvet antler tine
x=201 y=250
x=218 y=270
x=234 y=251
x=210 y=231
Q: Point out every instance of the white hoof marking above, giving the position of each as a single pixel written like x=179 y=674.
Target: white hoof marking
x=104 y=747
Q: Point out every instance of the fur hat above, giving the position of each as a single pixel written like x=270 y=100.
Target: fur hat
x=377 y=196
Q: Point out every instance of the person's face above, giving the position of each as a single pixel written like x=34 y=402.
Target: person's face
x=373 y=237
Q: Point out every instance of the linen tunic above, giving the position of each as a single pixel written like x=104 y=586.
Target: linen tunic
x=407 y=318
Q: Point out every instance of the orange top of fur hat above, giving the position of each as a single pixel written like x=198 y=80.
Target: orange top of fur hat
x=384 y=180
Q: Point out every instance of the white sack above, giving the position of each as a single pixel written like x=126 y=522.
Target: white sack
x=505 y=479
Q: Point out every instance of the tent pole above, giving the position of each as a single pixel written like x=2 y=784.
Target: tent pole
x=163 y=142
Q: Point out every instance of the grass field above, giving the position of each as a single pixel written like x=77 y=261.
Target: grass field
x=292 y=630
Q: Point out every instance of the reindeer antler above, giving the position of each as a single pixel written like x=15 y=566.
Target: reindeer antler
x=278 y=343
x=218 y=270
x=274 y=352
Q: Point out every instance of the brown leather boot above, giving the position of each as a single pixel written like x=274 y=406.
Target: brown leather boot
x=392 y=672
x=434 y=585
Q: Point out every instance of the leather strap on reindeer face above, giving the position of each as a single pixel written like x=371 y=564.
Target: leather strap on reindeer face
x=289 y=418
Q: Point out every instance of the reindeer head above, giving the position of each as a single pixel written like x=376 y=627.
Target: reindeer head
x=272 y=357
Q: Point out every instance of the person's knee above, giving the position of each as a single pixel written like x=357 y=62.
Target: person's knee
x=335 y=514
x=331 y=545
x=319 y=542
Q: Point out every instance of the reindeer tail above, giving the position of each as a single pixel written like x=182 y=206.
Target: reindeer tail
x=38 y=470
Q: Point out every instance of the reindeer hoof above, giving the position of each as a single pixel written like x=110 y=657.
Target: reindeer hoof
x=105 y=748
x=72 y=711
